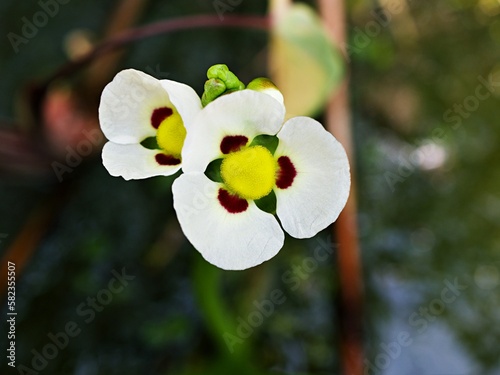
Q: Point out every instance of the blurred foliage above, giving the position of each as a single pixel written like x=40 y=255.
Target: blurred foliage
x=429 y=182
x=429 y=195
x=303 y=62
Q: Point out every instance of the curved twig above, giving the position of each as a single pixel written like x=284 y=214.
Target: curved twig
x=158 y=28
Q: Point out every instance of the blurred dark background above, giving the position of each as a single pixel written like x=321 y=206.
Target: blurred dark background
x=425 y=88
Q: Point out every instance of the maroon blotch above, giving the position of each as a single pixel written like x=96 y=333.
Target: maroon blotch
x=163 y=159
x=232 y=143
x=160 y=114
x=286 y=173
x=232 y=203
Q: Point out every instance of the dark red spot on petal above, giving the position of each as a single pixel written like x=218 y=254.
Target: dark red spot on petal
x=232 y=203
x=286 y=173
x=232 y=143
x=163 y=159
x=160 y=114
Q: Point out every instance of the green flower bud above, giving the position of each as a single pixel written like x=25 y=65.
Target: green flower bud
x=220 y=81
x=213 y=89
x=222 y=72
x=266 y=86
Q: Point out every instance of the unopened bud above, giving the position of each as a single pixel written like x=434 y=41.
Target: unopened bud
x=266 y=86
x=220 y=81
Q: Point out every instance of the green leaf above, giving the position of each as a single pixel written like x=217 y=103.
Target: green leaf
x=305 y=65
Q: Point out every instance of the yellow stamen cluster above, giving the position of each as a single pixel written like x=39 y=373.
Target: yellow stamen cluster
x=250 y=172
x=171 y=135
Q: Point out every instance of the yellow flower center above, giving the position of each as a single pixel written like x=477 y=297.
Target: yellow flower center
x=250 y=172
x=171 y=134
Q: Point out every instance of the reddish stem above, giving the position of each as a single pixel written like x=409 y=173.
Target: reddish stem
x=351 y=286
x=158 y=28
x=37 y=93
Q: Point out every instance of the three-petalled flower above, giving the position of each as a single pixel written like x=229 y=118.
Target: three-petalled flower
x=145 y=121
x=239 y=156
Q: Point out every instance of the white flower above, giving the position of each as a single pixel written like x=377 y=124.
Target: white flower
x=308 y=173
x=136 y=107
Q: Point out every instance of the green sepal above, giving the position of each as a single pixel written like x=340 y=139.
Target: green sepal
x=267 y=203
x=268 y=141
x=213 y=170
x=150 y=143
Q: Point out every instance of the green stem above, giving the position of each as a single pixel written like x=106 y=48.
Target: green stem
x=219 y=318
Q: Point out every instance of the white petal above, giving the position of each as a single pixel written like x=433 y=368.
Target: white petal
x=229 y=241
x=184 y=98
x=127 y=104
x=134 y=162
x=248 y=113
x=320 y=190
